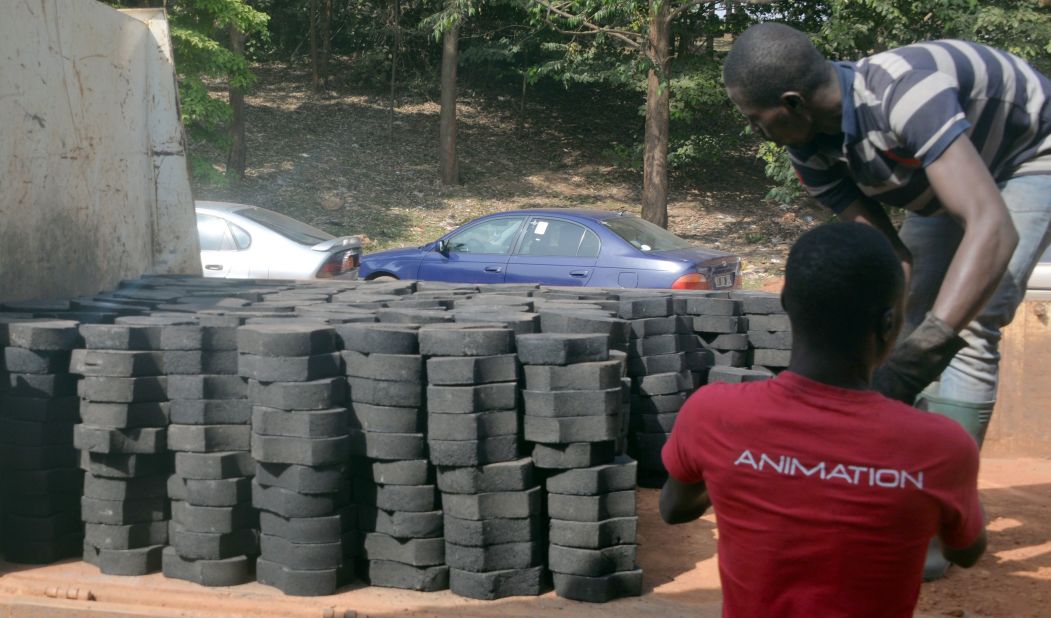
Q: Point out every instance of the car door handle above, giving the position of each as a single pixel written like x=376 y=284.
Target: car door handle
x=579 y=273
x=213 y=266
x=494 y=269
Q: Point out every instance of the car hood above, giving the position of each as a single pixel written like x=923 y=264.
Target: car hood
x=692 y=254
x=394 y=253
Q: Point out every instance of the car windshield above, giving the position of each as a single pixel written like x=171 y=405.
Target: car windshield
x=286 y=226
x=644 y=235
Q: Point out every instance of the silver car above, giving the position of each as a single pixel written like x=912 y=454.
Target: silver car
x=248 y=242
x=1040 y=281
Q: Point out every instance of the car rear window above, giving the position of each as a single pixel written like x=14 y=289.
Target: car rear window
x=644 y=235
x=286 y=226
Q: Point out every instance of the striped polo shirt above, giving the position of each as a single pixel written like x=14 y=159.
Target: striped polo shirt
x=902 y=109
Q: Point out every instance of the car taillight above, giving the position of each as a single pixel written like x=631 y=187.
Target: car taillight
x=338 y=263
x=691 y=281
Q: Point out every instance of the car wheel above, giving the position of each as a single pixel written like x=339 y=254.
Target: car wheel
x=384 y=278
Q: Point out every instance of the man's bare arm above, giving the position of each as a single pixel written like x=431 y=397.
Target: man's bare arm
x=683 y=502
x=968 y=556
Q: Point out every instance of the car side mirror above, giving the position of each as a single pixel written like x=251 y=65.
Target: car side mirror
x=442 y=246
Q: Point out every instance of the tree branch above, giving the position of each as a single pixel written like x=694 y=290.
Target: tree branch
x=631 y=38
x=682 y=9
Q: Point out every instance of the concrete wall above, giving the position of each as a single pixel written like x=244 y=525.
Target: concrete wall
x=93 y=178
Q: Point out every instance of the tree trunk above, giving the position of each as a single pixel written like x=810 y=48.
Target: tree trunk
x=315 y=69
x=525 y=85
x=655 y=160
x=326 y=40
x=395 y=18
x=235 y=161
x=447 y=134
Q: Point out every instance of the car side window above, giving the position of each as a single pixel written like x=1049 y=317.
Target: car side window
x=558 y=238
x=494 y=237
x=214 y=234
x=242 y=239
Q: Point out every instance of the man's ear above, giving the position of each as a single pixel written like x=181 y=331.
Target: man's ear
x=793 y=101
x=888 y=327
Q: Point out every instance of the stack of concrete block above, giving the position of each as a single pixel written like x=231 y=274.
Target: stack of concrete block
x=720 y=327
x=41 y=482
x=493 y=540
x=769 y=330
x=399 y=518
x=213 y=538
x=593 y=532
x=123 y=443
x=737 y=375
x=300 y=445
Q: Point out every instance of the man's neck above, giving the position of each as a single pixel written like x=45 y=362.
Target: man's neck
x=831 y=369
x=827 y=105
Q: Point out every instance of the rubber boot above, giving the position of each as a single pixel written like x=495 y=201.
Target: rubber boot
x=974 y=417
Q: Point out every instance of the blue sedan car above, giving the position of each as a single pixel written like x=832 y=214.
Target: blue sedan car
x=561 y=247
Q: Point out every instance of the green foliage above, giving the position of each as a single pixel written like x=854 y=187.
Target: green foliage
x=778 y=168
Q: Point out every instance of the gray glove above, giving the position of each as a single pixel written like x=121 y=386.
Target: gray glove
x=918 y=360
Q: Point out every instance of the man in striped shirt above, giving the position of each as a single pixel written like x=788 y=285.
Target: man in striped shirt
x=956 y=133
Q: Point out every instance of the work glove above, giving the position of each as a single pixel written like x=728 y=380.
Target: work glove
x=918 y=360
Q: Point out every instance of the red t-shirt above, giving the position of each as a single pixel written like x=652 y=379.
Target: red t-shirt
x=825 y=498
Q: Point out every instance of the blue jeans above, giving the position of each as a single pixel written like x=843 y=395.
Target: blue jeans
x=972 y=375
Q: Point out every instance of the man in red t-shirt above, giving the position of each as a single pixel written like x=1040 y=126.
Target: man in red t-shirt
x=826 y=493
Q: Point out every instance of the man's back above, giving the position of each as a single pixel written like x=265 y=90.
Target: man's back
x=826 y=497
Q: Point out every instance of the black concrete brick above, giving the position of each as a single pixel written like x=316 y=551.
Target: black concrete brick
x=394 y=315
x=387 y=367
x=231 y=571
x=598 y=589
x=496 y=505
x=31 y=433
x=655 y=346
x=471 y=370
x=382 y=393
x=772 y=322
x=658 y=404
x=591 y=562
x=115 y=337
x=415 y=552
x=40 y=505
x=387 y=446
x=291 y=504
x=580 y=376
x=213 y=519
x=507 y=476
x=208 y=438
x=127 y=536
x=735 y=375
x=593 y=535
x=182 y=362
x=617 y=476
x=403 y=498
x=387 y=574
x=401 y=524
x=665 y=363
x=21 y=360
x=215 y=492
x=206 y=387
x=41 y=384
x=127 y=562
x=290 y=368
x=772 y=358
x=468 y=399
x=577 y=455
x=663 y=383
x=485 y=532
x=210 y=411
x=141 y=440
x=474 y=426
x=296 y=582
x=474 y=452
x=213 y=546
x=301 y=451
x=520 y=322
x=399 y=472
x=44 y=528
x=17 y=457
x=492 y=585
x=720 y=324
x=179 y=337
x=712 y=306
x=775 y=340
x=28 y=551
x=114 y=363
x=123 y=390
x=40 y=409
x=384 y=419
x=653 y=423
x=312 y=556
x=302 y=478
x=591 y=508
x=564 y=430
x=466 y=342
x=121 y=512
x=652 y=327
x=561 y=349
x=553 y=320
x=701 y=359
x=495 y=557
x=214 y=466
x=125 y=415
x=293 y=339
x=301 y=423
x=379 y=338
x=556 y=404
x=137 y=488
x=53 y=482
x=307 y=530
x=725 y=342
x=313 y=395
x=43 y=335
x=651 y=307
x=116 y=465
x=759 y=302
x=219 y=362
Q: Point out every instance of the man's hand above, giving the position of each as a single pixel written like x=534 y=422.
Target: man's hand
x=681 y=502
x=918 y=360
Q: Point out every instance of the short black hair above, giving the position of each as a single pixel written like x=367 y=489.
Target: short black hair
x=770 y=59
x=839 y=280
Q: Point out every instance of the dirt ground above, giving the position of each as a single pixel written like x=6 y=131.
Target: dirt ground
x=1013 y=580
